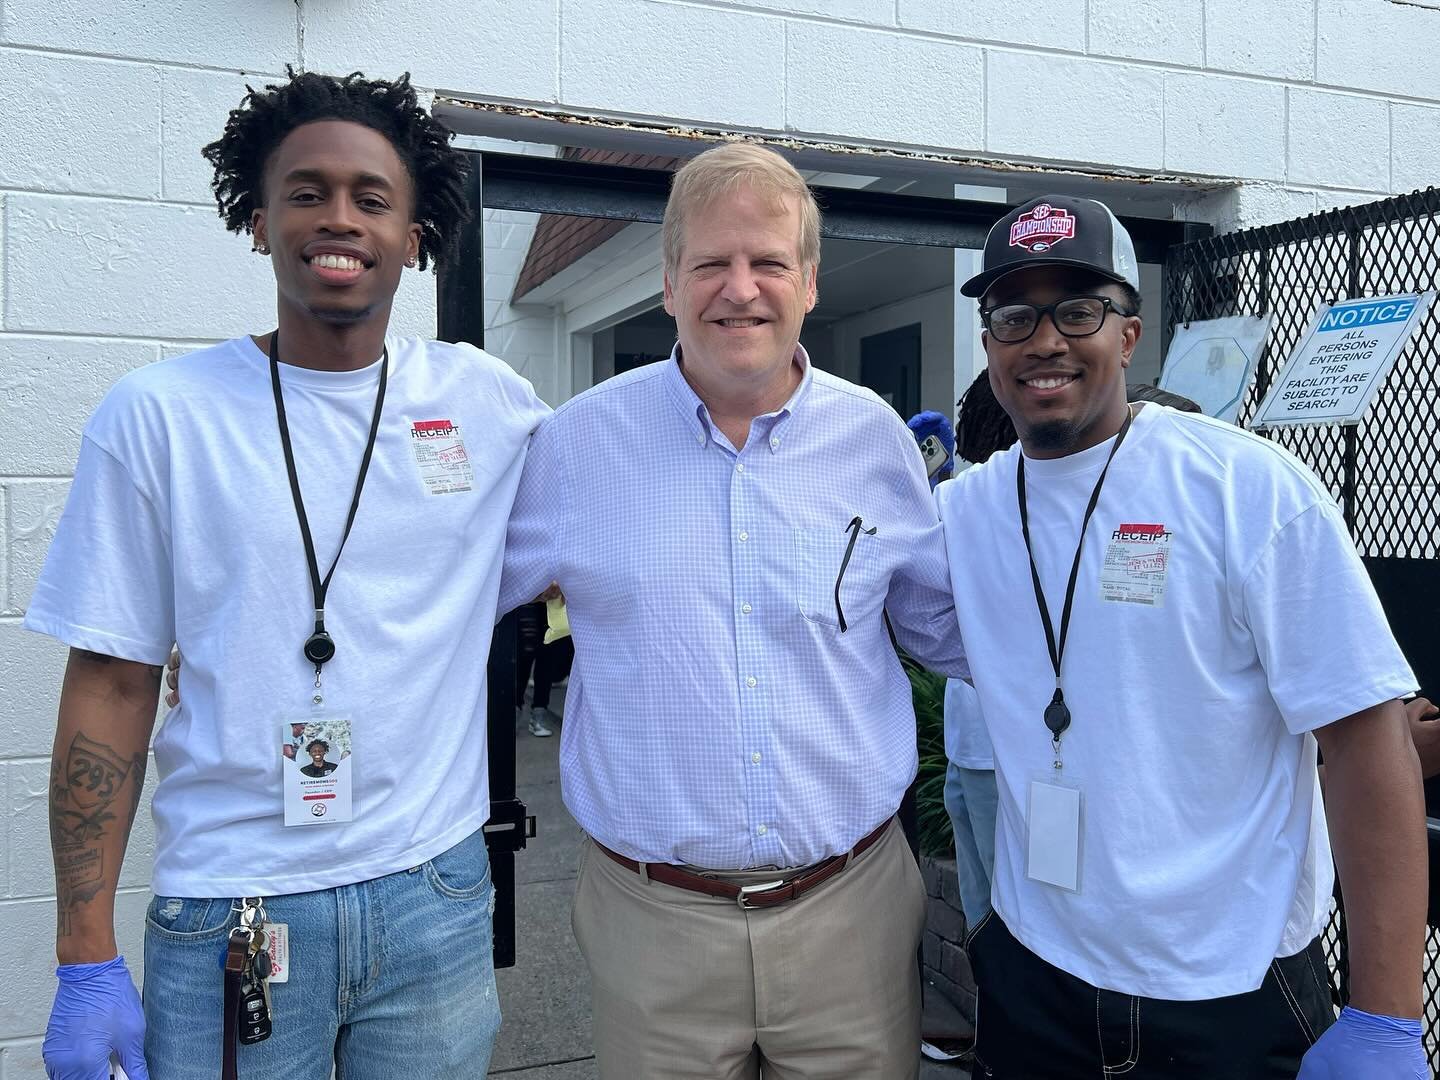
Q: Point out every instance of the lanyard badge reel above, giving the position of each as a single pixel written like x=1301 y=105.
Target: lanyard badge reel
x=318 y=791
x=1053 y=814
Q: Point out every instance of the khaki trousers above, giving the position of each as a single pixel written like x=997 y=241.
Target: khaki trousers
x=685 y=985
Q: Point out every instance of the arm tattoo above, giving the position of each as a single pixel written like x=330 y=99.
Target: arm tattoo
x=83 y=790
x=101 y=658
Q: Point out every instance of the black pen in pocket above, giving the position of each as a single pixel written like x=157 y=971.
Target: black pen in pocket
x=855 y=528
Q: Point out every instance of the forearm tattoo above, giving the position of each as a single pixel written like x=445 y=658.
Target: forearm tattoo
x=94 y=794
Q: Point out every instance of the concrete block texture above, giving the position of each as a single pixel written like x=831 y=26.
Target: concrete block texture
x=1219 y=126
x=31 y=668
x=49 y=386
x=1052 y=24
x=490 y=48
x=29 y=986
x=1414 y=146
x=1172 y=31
x=76 y=124
x=193 y=108
x=894 y=89
x=1074 y=110
x=21 y=1060
x=1339 y=140
x=1247 y=205
x=1281 y=43
x=28 y=832
x=651 y=58
x=873 y=12
x=166 y=271
x=257 y=36
x=34 y=508
x=1385 y=47
x=5 y=857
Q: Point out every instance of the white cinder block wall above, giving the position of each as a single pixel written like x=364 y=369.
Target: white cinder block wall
x=111 y=254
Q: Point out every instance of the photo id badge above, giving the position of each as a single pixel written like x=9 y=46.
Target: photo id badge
x=316 y=761
x=1053 y=846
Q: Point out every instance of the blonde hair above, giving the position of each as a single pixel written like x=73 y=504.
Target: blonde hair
x=722 y=171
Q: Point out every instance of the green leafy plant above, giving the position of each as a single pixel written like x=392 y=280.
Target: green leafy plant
x=933 y=823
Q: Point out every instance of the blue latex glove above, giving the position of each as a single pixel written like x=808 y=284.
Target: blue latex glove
x=96 y=1011
x=1363 y=1046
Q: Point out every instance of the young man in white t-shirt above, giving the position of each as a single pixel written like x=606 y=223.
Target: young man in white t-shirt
x=316 y=516
x=1164 y=615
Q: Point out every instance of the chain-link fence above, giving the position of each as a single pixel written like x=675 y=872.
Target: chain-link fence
x=1384 y=472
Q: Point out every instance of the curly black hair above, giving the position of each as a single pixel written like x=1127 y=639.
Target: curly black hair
x=982 y=427
x=265 y=117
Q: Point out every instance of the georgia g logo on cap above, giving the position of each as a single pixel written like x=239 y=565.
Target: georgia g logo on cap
x=1042 y=228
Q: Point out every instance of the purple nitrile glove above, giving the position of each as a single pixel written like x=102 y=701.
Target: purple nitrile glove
x=96 y=1011
x=1363 y=1046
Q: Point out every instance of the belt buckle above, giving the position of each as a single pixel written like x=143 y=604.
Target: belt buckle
x=746 y=890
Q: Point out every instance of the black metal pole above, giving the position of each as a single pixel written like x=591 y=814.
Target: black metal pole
x=460 y=300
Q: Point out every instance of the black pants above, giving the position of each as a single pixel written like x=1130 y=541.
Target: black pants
x=551 y=662
x=1037 y=1022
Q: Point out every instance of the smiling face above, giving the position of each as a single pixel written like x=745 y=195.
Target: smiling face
x=739 y=292
x=337 y=219
x=1063 y=394
x=317 y=751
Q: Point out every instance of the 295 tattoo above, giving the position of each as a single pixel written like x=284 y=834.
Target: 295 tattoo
x=89 y=791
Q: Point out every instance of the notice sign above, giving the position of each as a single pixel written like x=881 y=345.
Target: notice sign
x=1341 y=362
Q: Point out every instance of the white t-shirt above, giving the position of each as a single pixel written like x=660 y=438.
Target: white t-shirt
x=1203 y=850
x=180 y=527
x=967 y=741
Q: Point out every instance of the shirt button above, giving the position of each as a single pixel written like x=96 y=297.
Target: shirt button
x=774 y=443
x=746 y=608
x=739 y=466
x=762 y=830
x=755 y=757
x=744 y=536
x=750 y=680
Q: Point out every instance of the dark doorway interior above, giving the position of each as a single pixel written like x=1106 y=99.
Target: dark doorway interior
x=890 y=365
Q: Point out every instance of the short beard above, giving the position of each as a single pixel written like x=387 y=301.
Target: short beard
x=341 y=316
x=1052 y=435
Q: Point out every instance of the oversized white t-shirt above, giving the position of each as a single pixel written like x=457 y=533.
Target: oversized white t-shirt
x=180 y=528
x=1203 y=850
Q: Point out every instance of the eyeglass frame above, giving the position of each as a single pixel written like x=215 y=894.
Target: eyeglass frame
x=1041 y=310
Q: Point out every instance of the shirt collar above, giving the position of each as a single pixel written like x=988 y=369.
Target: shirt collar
x=697 y=416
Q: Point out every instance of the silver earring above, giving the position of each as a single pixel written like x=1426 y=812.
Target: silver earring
x=263 y=249
x=410 y=261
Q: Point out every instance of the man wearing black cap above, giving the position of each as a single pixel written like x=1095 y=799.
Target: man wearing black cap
x=1187 y=612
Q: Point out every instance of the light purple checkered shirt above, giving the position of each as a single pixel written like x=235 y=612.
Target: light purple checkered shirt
x=716 y=714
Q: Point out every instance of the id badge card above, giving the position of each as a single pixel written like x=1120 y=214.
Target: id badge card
x=1052 y=854
x=316 y=761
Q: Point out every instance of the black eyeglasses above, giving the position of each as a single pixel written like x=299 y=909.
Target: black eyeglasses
x=1075 y=316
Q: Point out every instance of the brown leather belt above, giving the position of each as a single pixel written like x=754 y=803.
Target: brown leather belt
x=767 y=894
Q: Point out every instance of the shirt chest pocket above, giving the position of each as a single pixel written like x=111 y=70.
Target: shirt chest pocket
x=819 y=556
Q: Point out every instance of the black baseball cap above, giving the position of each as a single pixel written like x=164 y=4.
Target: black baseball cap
x=1057 y=230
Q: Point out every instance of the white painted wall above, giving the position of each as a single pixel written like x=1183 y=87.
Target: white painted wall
x=111 y=254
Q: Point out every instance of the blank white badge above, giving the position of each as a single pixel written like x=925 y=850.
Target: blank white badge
x=1053 y=856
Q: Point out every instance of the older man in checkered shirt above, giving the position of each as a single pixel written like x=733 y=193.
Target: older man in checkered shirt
x=730 y=528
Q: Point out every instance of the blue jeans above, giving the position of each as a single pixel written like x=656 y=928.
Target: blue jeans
x=970 y=798
x=388 y=978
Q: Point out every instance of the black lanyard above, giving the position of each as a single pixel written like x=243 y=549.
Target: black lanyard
x=1057 y=713
x=319 y=646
